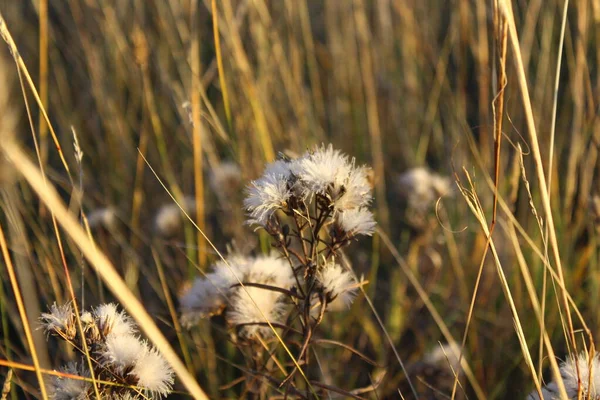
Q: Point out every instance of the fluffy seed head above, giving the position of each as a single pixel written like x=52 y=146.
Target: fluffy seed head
x=356 y=221
x=220 y=288
x=589 y=377
x=338 y=285
x=266 y=195
x=102 y=218
x=110 y=321
x=168 y=220
x=328 y=172
x=225 y=178
x=60 y=321
x=121 y=352
x=251 y=305
x=205 y=298
x=62 y=388
x=153 y=373
x=422 y=187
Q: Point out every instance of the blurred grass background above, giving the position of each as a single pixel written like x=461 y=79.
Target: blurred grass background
x=395 y=83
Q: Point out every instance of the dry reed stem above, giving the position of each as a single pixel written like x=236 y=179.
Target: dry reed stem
x=473 y=202
x=197 y=131
x=43 y=74
x=550 y=165
x=100 y=263
x=22 y=313
x=222 y=81
x=5 y=33
x=545 y=339
x=172 y=311
x=535 y=148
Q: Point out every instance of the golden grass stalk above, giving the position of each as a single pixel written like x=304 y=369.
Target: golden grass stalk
x=475 y=206
x=222 y=81
x=506 y=8
x=197 y=131
x=23 y=314
x=5 y=34
x=100 y=263
x=43 y=128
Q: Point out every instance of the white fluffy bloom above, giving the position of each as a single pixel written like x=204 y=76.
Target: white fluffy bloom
x=422 y=187
x=269 y=270
x=357 y=221
x=281 y=168
x=112 y=321
x=249 y=304
x=266 y=195
x=168 y=220
x=328 y=172
x=102 y=217
x=590 y=385
x=60 y=320
x=206 y=297
x=63 y=388
x=446 y=355
x=153 y=373
x=220 y=288
x=338 y=285
x=121 y=352
x=225 y=177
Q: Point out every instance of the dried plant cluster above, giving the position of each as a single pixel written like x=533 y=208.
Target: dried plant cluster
x=123 y=365
x=480 y=121
x=311 y=207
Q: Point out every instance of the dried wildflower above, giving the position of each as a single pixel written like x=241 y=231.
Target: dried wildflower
x=338 y=285
x=168 y=220
x=63 y=388
x=118 y=355
x=220 y=290
x=251 y=306
x=266 y=195
x=153 y=373
x=588 y=379
x=120 y=352
x=60 y=321
x=330 y=173
x=356 y=221
x=111 y=321
x=205 y=298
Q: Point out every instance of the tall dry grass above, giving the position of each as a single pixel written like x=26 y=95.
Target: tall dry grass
x=501 y=98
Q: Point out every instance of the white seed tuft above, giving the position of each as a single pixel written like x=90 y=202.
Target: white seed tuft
x=168 y=220
x=338 y=285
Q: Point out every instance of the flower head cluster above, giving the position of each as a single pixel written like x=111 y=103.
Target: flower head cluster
x=587 y=380
x=118 y=355
x=246 y=307
x=324 y=176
